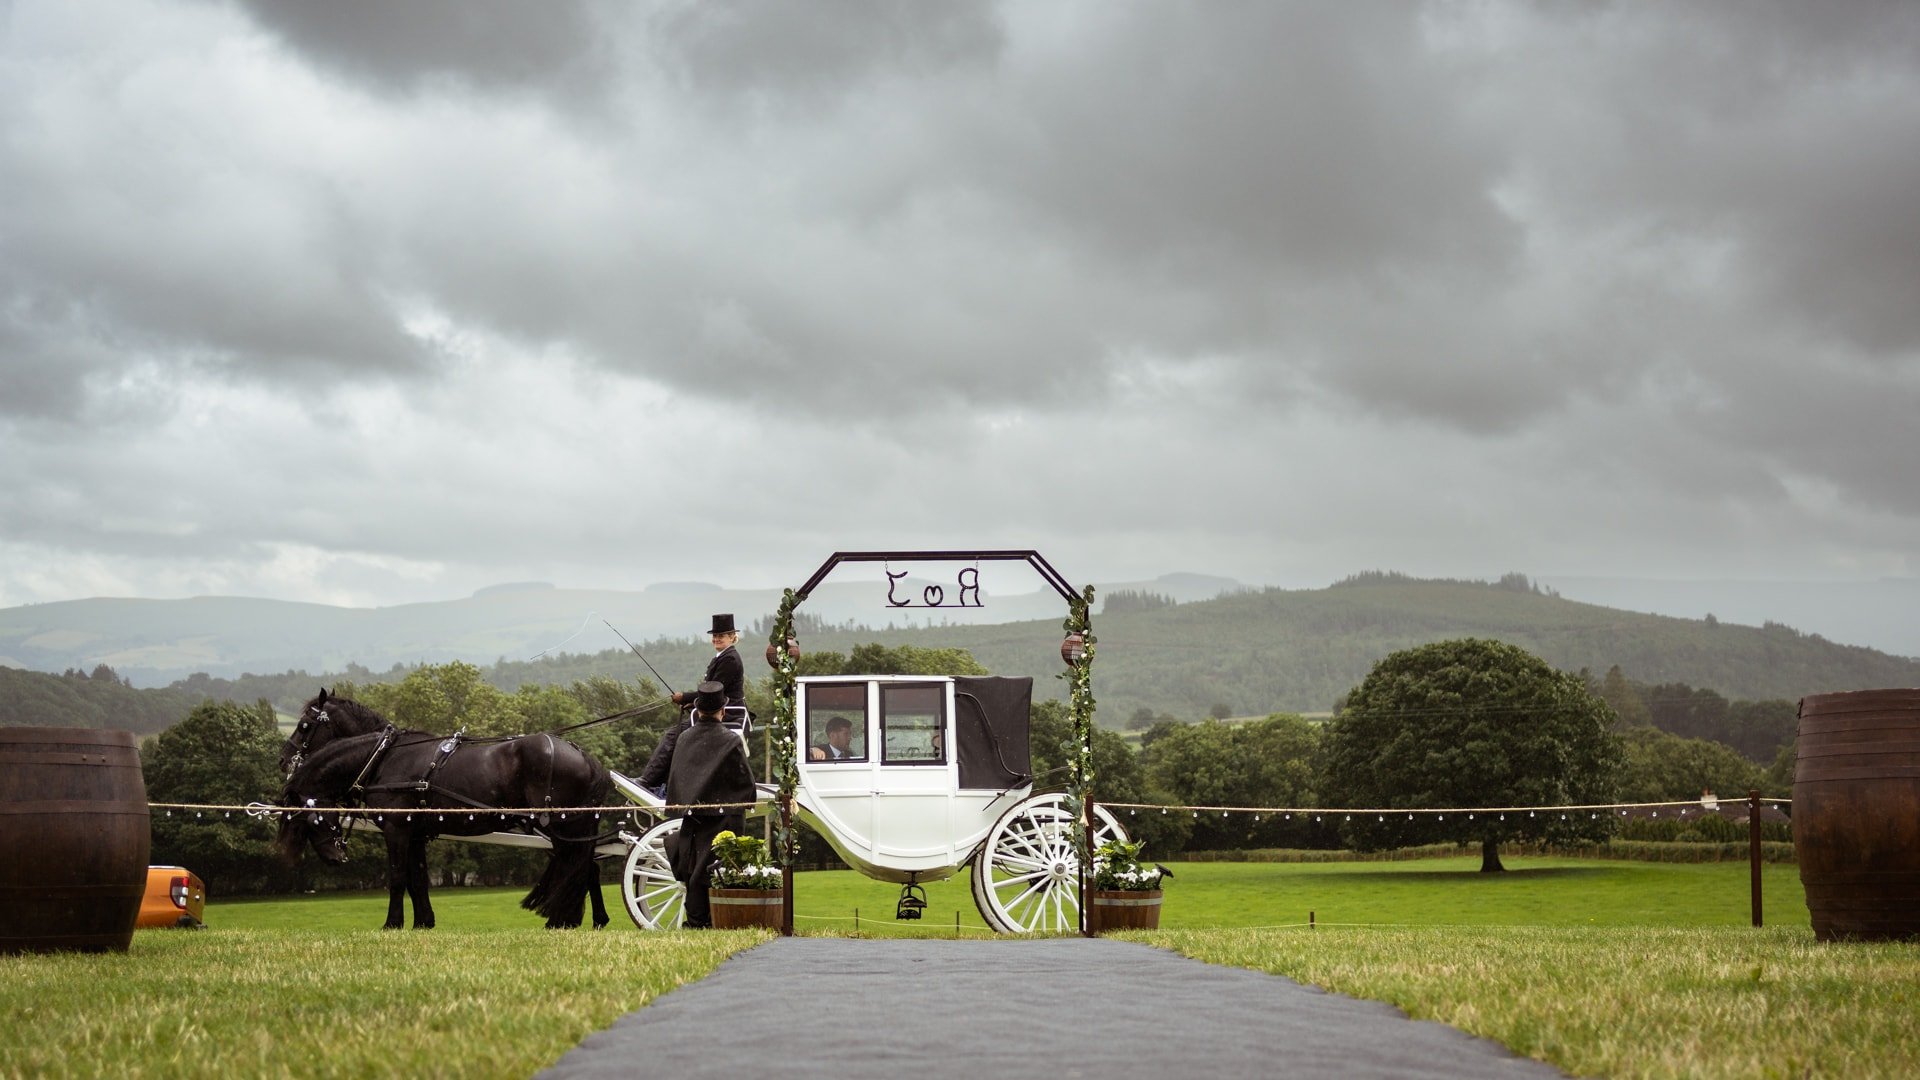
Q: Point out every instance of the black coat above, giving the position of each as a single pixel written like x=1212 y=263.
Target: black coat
x=709 y=766
x=726 y=669
x=655 y=774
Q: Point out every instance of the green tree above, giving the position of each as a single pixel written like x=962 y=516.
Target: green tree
x=877 y=659
x=1268 y=762
x=221 y=754
x=443 y=698
x=1470 y=723
x=1619 y=692
x=1661 y=766
x=1759 y=729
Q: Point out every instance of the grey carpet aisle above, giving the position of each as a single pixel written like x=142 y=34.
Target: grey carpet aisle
x=1057 y=1008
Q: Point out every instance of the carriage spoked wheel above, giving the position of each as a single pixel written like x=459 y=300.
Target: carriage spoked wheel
x=654 y=898
x=1026 y=875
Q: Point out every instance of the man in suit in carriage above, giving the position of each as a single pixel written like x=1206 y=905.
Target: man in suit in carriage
x=726 y=669
x=709 y=766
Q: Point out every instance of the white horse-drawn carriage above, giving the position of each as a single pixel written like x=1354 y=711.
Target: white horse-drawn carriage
x=934 y=776
x=910 y=778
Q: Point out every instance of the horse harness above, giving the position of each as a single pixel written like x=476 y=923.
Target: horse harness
x=424 y=787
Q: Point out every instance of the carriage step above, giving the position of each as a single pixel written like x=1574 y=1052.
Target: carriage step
x=913 y=901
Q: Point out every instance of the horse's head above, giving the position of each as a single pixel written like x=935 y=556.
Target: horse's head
x=307 y=733
x=312 y=794
x=325 y=718
x=320 y=828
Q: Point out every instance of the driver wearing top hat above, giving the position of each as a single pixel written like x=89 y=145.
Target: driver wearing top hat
x=726 y=669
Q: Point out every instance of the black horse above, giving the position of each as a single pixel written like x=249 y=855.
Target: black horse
x=325 y=718
x=384 y=770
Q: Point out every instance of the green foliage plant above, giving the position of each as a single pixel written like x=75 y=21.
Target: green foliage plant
x=1116 y=867
x=743 y=863
x=1080 y=703
x=783 y=752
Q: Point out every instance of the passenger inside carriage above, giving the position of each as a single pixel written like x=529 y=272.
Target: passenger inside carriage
x=838 y=745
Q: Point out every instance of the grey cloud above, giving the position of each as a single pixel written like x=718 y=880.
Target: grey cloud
x=785 y=57
x=1785 y=132
x=1245 y=141
x=489 y=45
x=1626 y=272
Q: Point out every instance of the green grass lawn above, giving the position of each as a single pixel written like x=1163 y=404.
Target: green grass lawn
x=1602 y=967
x=1428 y=892
x=1619 y=1001
x=252 y=1003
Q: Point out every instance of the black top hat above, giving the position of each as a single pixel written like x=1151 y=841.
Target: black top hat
x=710 y=697
x=723 y=624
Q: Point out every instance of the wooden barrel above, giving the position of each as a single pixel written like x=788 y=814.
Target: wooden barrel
x=74 y=837
x=1113 y=909
x=740 y=909
x=1856 y=813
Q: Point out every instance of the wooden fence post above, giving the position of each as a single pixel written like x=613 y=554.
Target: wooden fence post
x=1753 y=848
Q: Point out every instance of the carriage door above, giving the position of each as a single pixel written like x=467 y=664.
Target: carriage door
x=915 y=780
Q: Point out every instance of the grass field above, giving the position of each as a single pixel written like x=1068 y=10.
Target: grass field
x=1613 y=968
x=1534 y=892
x=254 y=1003
x=1616 y=1001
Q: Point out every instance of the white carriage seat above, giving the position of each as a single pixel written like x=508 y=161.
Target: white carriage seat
x=738 y=720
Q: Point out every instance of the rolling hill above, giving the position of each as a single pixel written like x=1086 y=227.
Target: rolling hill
x=1254 y=651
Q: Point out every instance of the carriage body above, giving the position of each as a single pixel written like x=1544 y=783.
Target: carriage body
x=932 y=763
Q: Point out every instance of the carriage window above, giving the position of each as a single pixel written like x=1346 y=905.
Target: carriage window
x=837 y=723
x=913 y=721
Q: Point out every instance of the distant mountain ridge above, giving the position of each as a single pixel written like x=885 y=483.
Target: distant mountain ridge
x=1252 y=650
x=155 y=642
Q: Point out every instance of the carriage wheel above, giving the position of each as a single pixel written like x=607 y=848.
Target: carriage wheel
x=654 y=898
x=1026 y=875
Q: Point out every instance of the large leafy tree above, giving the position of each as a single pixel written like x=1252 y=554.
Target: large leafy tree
x=1471 y=723
x=223 y=754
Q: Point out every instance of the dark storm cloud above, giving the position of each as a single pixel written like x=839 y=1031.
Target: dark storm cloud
x=1784 y=130
x=490 y=45
x=1593 y=278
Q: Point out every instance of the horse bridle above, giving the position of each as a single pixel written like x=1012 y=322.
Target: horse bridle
x=302 y=736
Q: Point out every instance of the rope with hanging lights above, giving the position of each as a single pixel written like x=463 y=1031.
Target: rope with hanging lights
x=1685 y=806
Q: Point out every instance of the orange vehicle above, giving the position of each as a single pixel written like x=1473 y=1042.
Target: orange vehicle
x=175 y=897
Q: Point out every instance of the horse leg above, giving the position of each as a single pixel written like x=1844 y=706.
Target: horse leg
x=396 y=878
x=417 y=882
x=593 y=891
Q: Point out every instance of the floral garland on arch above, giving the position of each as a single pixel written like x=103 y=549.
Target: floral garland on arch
x=783 y=752
x=1079 y=749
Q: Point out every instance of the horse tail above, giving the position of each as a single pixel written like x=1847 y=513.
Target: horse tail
x=542 y=891
x=560 y=896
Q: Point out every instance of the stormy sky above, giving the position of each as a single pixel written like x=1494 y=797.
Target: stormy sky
x=371 y=303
